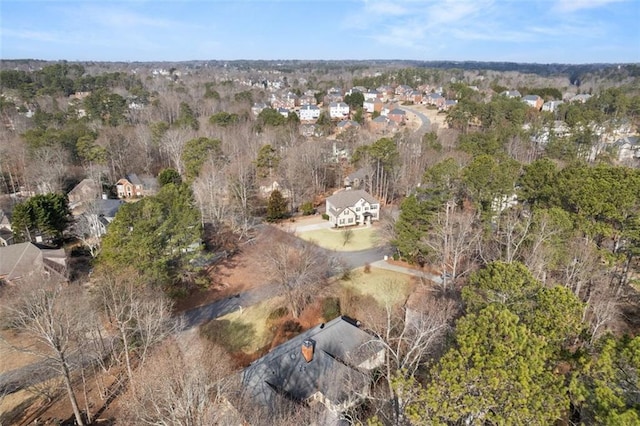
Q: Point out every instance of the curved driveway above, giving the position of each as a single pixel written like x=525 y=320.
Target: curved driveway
x=426 y=123
x=351 y=260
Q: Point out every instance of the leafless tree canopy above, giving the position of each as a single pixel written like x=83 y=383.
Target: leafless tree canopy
x=182 y=384
x=54 y=316
x=299 y=269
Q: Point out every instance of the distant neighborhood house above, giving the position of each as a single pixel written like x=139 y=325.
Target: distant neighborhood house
x=511 y=94
x=86 y=190
x=397 y=115
x=133 y=186
x=99 y=214
x=338 y=110
x=309 y=113
x=352 y=207
x=534 y=101
x=628 y=149
x=357 y=179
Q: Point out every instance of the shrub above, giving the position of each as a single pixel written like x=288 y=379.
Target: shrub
x=231 y=335
x=367 y=268
x=278 y=313
x=358 y=305
x=325 y=216
x=346 y=275
x=291 y=326
x=330 y=308
x=307 y=208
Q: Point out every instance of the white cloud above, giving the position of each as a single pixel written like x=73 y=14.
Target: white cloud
x=40 y=36
x=413 y=24
x=575 y=5
x=451 y=11
x=123 y=18
x=386 y=8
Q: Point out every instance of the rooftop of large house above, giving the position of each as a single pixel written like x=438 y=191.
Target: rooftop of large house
x=327 y=359
x=18 y=261
x=348 y=198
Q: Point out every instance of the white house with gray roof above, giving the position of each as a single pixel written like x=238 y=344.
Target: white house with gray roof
x=309 y=113
x=339 y=110
x=352 y=207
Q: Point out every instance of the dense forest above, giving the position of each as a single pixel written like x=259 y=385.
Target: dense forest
x=529 y=217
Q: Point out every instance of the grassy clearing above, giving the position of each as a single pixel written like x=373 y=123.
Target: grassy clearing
x=386 y=287
x=248 y=329
x=332 y=239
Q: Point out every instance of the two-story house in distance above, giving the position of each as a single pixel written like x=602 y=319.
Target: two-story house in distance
x=352 y=207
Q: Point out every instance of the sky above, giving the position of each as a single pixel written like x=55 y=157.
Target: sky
x=534 y=31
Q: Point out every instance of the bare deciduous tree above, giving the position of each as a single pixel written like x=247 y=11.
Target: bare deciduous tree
x=141 y=318
x=298 y=270
x=347 y=236
x=410 y=336
x=182 y=384
x=514 y=225
x=47 y=169
x=87 y=228
x=211 y=192
x=603 y=309
x=52 y=314
x=453 y=240
x=242 y=186
x=172 y=145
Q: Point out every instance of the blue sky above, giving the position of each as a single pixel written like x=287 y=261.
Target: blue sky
x=542 y=31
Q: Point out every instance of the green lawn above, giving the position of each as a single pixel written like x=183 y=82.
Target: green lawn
x=333 y=239
x=253 y=319
x=386 y=287
x=249 y=330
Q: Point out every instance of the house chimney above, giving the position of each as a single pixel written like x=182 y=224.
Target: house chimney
x=307 y=349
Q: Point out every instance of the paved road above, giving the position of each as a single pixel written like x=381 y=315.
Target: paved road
x=203 y=314
x=426 y=123
x=15 y=380
x=351 y=260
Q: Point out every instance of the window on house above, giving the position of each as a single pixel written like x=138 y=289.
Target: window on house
x=357 y=209
x=350 y=220
x=341 y=221
x=366 y=208
x=374 y=207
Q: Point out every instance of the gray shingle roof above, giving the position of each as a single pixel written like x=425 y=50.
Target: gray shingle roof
x=6 y=236
x=134 y=179
x=20 y=260
x=309 y=107
x=358 y=174
x=348 y=198
x=87 y=189
x=108 y=208
x=339 y=346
